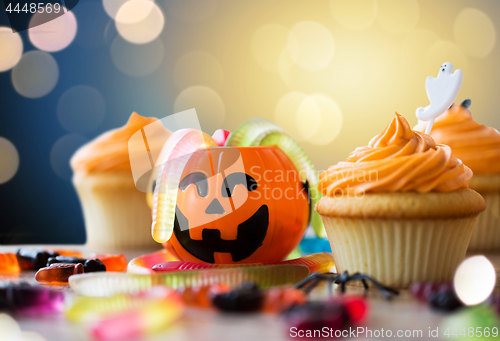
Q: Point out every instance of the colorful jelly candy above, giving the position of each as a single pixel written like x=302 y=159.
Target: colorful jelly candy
x=9 y=263
x=246 y=298
x=319 y=262
x=117 y=263
x=110 y=283
x=277 y=300
x=335 y=314
x=67 y=253
x=128 y=316
x=58 y=273
x=30 y=259
x=89 y=265
x=26 y=299
x=441 y=296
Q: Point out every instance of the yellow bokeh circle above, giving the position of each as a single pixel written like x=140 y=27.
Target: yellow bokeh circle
x=53 y=35
x=310 y=45
x=355 y=15
x=11 y=48
x=9 y=160
x=397 y=16
x=139 y=21
x=474 y=32
x=208 y=104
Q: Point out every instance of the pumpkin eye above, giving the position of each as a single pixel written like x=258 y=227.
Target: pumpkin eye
x=237 y=179
x=199 y=179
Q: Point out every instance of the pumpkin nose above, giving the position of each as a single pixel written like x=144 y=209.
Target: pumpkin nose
x=215 y=207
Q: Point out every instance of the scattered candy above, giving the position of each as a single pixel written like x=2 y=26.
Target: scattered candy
x=117 y=263
x=466 y=324
x=142 y=265
x=58 y=274
x=335 y=314
x=89 y=265
x=446 y=300
x=9 y=263
x=26 y=299
x=314 y=245
x=220 y=136
x=123 y=317
x=30 y=259
x=319 y=262
x=111 y=283
x=424 y=290
x=67 y=253
x=246 y=298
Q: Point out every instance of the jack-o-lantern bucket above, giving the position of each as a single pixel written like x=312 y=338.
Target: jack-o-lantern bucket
x=228 y=204
x=239 y=204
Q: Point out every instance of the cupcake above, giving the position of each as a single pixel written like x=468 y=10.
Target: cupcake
x=115 y=212
x=399 y=209
x=478 y=147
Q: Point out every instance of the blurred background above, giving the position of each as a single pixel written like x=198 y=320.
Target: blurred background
x=332 y=73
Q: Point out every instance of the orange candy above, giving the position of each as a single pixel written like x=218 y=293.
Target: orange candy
x=8 y=263
x=67 y=253
x=58 y=273
x=277 y=300
x=116 y=263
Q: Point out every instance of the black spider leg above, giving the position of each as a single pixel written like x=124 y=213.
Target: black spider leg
x=310 y=282
x=385 y=291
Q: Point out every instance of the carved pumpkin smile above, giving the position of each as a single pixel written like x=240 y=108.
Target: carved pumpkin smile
x=251 y=234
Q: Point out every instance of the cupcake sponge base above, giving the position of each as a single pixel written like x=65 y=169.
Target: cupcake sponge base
x=397 y=252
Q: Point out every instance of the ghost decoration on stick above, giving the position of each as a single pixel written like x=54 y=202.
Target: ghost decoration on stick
x=441 y=92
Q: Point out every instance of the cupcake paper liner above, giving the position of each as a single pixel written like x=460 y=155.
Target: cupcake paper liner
x=486 y=235
x=115 y=212
x=399 y=252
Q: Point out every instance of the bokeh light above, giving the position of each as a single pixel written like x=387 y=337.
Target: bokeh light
x=139 y=21
x=286 y=111
x=200 y=68
x=191 y=10
x=474 y=280
x=81 y=109
x=35 y=75
x=11 y=48
x=308 y=118
x=111 y=7
x=310 y=45
x=396 y=16
x=441 y=52
x=268 y=43
x=330 y=121
x=208 y=104
x=9 y=160
x=53 y=35
x=355 y=15
x=137 y=60
x=474 y=32
x=61 y=152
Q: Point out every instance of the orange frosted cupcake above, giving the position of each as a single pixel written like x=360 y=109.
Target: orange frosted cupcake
x=478 y=147
x=399 y=209
x=115 y=211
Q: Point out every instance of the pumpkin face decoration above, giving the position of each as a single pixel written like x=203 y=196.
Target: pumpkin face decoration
x=239 y=205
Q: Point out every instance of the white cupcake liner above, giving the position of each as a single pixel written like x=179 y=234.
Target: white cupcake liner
x=399 y=252
x=486 y=235
x=115 y=212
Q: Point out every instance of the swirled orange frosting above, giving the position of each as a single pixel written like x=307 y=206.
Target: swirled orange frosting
x=109 y=152
x=399 y=159
x=475 y=144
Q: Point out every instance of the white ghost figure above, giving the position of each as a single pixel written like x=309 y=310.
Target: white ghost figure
x=442 y=92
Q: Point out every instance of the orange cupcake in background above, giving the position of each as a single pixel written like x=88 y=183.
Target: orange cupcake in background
x=399 y=209
x=478 y=147
x=115 y=211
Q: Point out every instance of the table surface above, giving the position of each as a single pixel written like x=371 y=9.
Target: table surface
x=402 y=313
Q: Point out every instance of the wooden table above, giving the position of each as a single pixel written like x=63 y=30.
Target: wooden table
x=402 y=313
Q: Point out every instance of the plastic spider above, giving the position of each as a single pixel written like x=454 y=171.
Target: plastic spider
x=342 y=279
